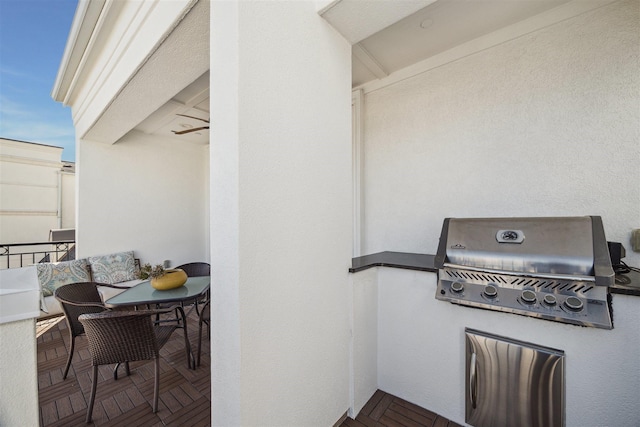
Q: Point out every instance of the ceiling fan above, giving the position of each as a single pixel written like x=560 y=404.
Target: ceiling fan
x=182 y=132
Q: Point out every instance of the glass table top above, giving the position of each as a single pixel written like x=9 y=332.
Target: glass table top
x=143 y=293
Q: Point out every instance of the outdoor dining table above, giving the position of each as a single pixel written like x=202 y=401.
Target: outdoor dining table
x=144 y=294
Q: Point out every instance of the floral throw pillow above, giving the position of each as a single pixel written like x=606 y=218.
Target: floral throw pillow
x=51 y=276
x=113 y=268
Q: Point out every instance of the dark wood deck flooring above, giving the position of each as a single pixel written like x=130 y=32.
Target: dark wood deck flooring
x=386 y=410
x=185 y=395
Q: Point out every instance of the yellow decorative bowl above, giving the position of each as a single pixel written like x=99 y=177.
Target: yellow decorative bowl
x=173 y=278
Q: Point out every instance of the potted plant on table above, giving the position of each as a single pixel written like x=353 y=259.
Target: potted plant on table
x=162 y=279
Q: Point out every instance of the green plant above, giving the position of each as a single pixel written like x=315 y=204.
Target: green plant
x=151 y=272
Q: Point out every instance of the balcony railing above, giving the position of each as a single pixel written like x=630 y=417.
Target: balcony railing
x=14 y=255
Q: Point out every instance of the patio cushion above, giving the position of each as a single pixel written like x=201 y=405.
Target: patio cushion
x=54 y=275
x=113 y=268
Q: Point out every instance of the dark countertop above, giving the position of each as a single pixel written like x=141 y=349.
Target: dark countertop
x=409 y=261
x=626 y=284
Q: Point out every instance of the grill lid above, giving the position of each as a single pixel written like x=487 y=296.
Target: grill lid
x=546 y=247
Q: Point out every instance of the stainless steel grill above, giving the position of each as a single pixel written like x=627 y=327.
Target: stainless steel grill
x=554 y=268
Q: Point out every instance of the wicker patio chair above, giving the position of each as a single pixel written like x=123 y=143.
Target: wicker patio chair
x=195 y=269
x=205 y=316
x=125 y=336
x=76 y=299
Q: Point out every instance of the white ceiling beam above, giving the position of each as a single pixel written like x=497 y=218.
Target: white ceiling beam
x=368 y=61
x=356 y=19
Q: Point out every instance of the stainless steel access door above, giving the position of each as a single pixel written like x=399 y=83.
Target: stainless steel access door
x=511 y=383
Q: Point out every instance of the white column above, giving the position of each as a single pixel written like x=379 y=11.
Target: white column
x=281 y=215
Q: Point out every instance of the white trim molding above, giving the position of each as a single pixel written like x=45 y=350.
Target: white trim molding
x=357 y=106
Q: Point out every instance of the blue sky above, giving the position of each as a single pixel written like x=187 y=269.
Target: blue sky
x=33 y=34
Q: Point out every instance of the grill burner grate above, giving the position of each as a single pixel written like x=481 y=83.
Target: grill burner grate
x=522 y=282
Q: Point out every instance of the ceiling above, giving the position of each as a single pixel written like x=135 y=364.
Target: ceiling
x=191 y=101
x=441 y=25
x=436 y=28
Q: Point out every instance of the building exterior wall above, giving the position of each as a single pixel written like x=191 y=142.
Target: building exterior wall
x=32 y=186
x=281 y=215
x=542 y=125
x=143 y=194
x=68 y=200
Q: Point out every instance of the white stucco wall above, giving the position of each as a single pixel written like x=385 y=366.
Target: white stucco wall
x=421 y=351
x=281 y=215
x=543 y=125
x=19 y=378
x=143 y=194
x=365 y=338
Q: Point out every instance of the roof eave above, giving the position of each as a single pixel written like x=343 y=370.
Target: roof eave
x=84 y=22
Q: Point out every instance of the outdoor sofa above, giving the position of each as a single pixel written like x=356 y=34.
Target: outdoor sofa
x=119 y=269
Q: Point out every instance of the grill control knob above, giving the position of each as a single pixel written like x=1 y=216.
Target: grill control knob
x=490 y=291
x=457 y=287
x=573 y=304
x=528 y=297
x=550 y=299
